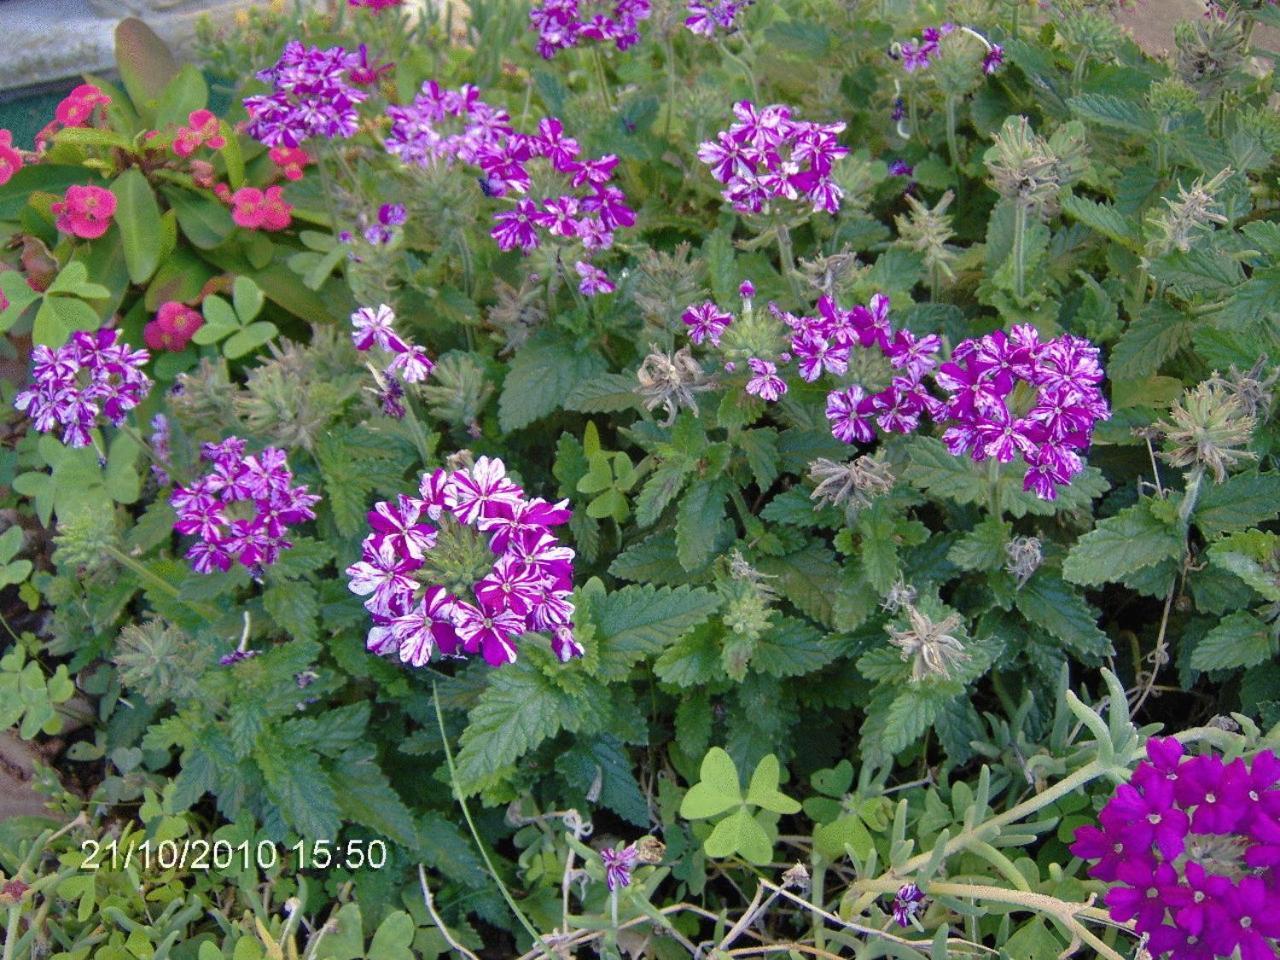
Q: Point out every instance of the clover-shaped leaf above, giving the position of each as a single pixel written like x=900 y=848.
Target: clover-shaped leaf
x=717 y=791
x=740 y=833
x=764 y=792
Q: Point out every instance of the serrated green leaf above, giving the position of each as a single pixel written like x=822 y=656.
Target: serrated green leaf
x=1048 y=602
x=1105 y=219
x=791 y=648
x=933 y=469
x=640 y=620
x=1158 y=333
x=541 y=376
x=1244 y=500
x=698 y=522
x=983 y=547
x=1241 y=640
x=663 y=485
x=604 y=393
x=298 y=788
x=1118 y=113
x=1131 y=540
x=293 y=605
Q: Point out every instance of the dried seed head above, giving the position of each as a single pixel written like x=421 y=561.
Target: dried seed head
x=1211 y=52
x=1023 y=558
x=650 y=850
x=900 y=595
x=1252 y=387
x=518 y=312
x=934 y=652
x=666 y=283
x=670 y=380
x=1211 y=427
x=825 y=273
x=796 y=877
x=740 y=569
x=1188 y=217
x=926 y=230
x=853 y=484
x=458 y=389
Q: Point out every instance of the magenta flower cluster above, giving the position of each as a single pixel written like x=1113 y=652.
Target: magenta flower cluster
x=241 y=510
x=709 y=17
x=409 y=363
x=768 y=156
x=562 y=24
x=526 y=584
x=91 y=375
x=1062 y=375
x=312 y=96
x=442 y=125
x=1192 y=845
x=918 y=54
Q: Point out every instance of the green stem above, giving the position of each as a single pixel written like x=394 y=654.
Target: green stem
x=159 y=583
x=1019 y=243
x=742 y=65
x=602 y=78
x=11 y=931
x=953 y=146
x=816 y=888
x=994 y=507
x=1189 y=497
x=671 y=87
x=471 y=825
x=786 y=257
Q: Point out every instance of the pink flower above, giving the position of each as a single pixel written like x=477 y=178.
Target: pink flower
x=706 y=321
x=174 y=325
x=488 y=632
x=10 y=159
x=79 y=104
x=484 y=485
x=766 y=384
x=204 y=130
x=594 y=280
x=290 y=160
x=85 y=212
x=256 y=209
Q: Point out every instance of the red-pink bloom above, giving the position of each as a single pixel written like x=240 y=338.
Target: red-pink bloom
x=85 y=212
x=203 y=130
x=173 y=327
x=10 y=159
x=256 y=209
x=78 y=106
x=290 y=160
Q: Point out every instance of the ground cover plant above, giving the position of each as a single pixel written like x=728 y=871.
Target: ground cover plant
x=648 y=479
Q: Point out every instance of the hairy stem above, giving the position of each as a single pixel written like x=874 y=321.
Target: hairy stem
x=1019 y=244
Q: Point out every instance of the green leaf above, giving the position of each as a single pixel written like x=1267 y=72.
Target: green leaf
x=640 y=620
x=74 y=279
x=983 y=547
x=692 y=660
x=204 y=221
x=298 y=787
x=878 y=546
x=138 y=217
x=1131 y=540
x=698 y=522
x=660 y=489
x=1105 y=219
x=293 y=605
x=1241 y=640
x=606 y=393
x=1252 y=556
x=182 y=96
x=519 y=709
x=810 y=578
x=739 y=833
x=1158 y=333
x=934 y=470
x=760 y=446
x=1118 y=113
x=791 y=648
x=1244 y=500
x=540 y=376
x=393 y=938
x=717 y=789
x=59 y=317
x=366 y=796
x=830 y=839
x=1048 y=602
x=247 y=298
x=249 y=339
x=146 y=66
x=763 y=790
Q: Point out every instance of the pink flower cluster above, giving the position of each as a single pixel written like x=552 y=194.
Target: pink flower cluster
x=708 y=17
x=498 y=546
x=209 y=509
x=85 y=212
x=89 y=375
x=256 y=209
x=1193 y=846
x=767 y=155
x=444 y=125
x=290 y=160
x=173 y=327
x=1064 y=378
x=203 y=130
x=312 y=96
x=10 y=158
x=562 y=24
x=76 y=110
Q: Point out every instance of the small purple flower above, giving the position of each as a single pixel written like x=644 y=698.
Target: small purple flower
x=706 y=321
x=618 y=865
x=900 y=168
x=915 y=56
x=594 y=280
x=708 y=17
x=765 y=384
x=160 y=447
x=907 y=904
x=899 y=109
x=517 y=227
x=562 y=24
x=392 y=214
x=993 y=59
x=373 y=328
x=746 y=290
x=91 y=375
x=443 y=125
x=236 y=656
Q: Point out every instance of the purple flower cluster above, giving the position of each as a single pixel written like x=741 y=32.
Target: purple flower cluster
x=390 y=216
x=409 y=362
x=562 y=24
x=1049 y=422
x=443 y=125
x=312 y=96
x=706 y=321
x=907 y=903
x=1193 y=846
x=707 y=17
x=768 y=155
x=476 y=529
x=216 y=508
x=89 y=375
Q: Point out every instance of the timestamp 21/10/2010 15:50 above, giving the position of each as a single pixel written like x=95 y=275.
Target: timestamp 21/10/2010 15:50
x=201 y=854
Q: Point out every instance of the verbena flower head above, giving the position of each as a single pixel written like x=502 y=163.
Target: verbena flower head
x=562 y=24
x=709 y=17
x=443 y=125
x=376 y=329
x=91 y=375
x=377 y=6
x=242 y=509
x=1013 y=396
x=706 y=321
x=312 y=96
x=618 y=865
x=1192 y=845
x=466 y=567
x=594 y=280
x=85 y=211
x=907 y=903
x=768 y=156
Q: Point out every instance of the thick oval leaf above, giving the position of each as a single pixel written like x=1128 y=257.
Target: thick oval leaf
x=138 y=217
x=145 y=63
